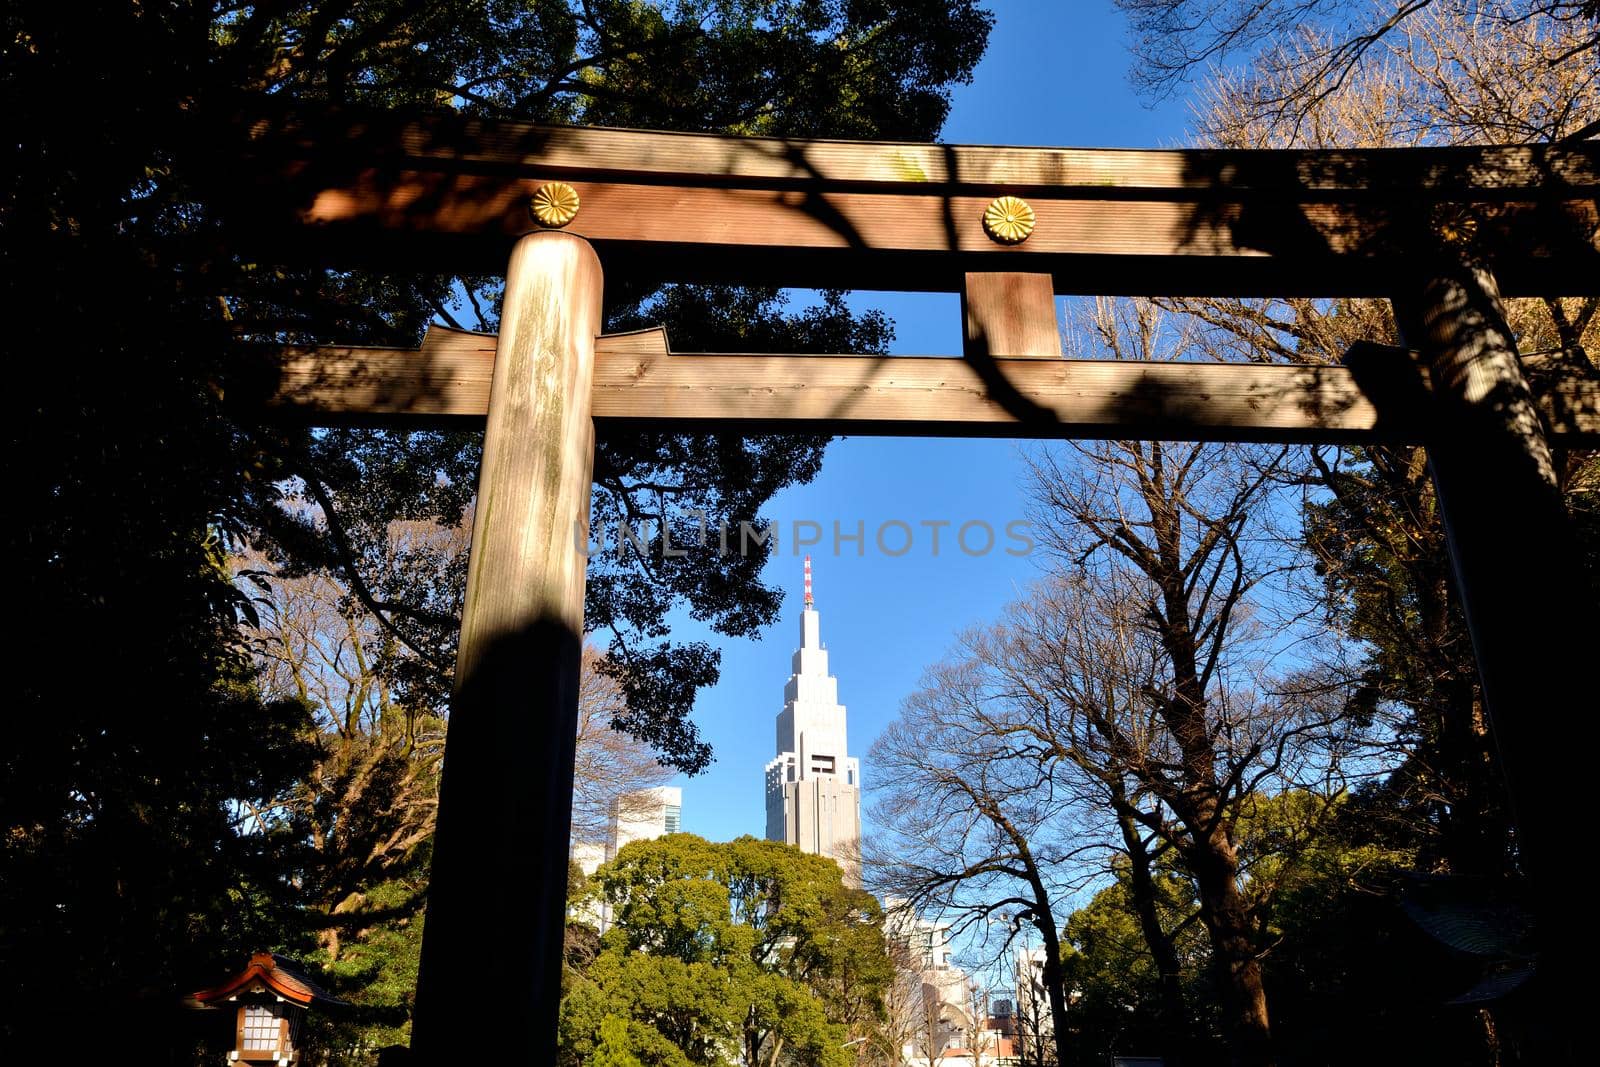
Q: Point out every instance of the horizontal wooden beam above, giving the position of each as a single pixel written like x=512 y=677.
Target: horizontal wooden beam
x=1380 y=394
x=451 y=140
x=447 y=192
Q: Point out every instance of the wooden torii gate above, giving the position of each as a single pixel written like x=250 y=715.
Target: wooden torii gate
x=1007 y=228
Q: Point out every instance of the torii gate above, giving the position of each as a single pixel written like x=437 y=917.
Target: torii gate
x=1008 y=228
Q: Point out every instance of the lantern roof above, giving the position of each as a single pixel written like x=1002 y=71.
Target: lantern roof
x=268 y=972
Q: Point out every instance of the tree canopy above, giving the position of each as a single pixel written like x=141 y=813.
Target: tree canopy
x=748 y=952
x=130 y=864
x=1294 y=56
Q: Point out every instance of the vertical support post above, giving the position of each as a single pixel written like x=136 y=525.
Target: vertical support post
x=491 y=952
x=1522 y=587
x=1009 y=314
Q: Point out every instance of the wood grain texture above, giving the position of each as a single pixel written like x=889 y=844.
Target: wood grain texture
x=501 y=844
x=448 y=192
x=1380 y=395
x=1009 y=314
x=462 y=143
x=538 y=445
x=917 y=239
x=1518 y=560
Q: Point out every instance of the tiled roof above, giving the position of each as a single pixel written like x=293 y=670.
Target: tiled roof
x=274 y=973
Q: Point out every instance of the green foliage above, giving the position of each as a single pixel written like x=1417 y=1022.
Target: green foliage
x=1347 y=972
x=878 y=69
x=1113 y=987
x=143 y=843
x=723 y=951
x=376 y=970
x=613 y=1047
x=577 y=881
x=1381 y=551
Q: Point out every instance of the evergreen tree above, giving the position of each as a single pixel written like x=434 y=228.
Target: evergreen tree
x=745 y=952
x=132 y=861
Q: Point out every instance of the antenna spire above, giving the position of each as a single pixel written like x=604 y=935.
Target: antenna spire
x=808 y=583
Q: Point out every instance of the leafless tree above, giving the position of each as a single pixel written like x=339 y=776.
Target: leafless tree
x=1445 y=72
x=1448 y=73
x=1297 y=54
x=371 y=798
x=969 y=833
x=1165 y=548
x=904 y=1010
x=1128 y=706
x=610 y=765
x=981 y=1039
x=1033 y=1044
x=933 y=1024
x=1076 y=664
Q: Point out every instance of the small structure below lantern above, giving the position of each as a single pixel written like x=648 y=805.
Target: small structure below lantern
x=271 y=996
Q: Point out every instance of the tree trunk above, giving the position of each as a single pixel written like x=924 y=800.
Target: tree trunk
x=1044 y=921
x=1141 y=885
x=1519 y=571
x=1212 y=859
x=1215 y=865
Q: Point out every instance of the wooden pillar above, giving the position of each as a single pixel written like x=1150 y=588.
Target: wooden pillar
x=489 y=983
x=1522 y=586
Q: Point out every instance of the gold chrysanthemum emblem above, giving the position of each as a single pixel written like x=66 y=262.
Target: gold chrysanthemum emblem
x=1455 y=225
x=1009 y=220
x=555 y=204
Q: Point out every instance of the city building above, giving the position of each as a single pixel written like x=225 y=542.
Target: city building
x=644 y=815
x=588 y=855
x=639 y=815
x=1034 y=1026
x=813 y=786
x=931 y=1006
x=927 y=941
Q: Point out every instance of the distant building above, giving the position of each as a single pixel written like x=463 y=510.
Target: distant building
x=640 y=815
x=1033 y=1026
x=813 y=787
x=588 y=855
x=1003 y=1013
x=932 y=1007
x=927 y=940
x=644 y=815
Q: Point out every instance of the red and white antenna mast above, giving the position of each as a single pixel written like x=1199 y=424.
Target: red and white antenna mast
x=808 y=583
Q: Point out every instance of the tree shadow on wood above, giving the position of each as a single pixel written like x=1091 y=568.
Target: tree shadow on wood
x=497 y=906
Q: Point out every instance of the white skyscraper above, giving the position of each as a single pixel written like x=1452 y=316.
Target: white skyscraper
x=814 y=785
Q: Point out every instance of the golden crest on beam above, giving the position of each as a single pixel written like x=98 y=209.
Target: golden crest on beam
x=554 y=204
x=1008 y=220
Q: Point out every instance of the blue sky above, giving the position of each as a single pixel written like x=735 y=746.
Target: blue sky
x=1056 y=73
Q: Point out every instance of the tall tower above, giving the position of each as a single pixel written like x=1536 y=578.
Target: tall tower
x=814 y=786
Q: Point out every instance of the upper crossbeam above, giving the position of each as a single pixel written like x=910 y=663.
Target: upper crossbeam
x=450 y=192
